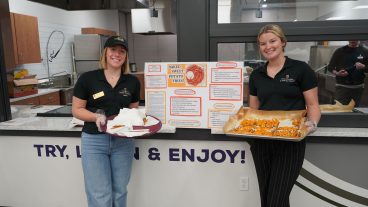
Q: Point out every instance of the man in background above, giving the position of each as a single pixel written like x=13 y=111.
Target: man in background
x=348 y=64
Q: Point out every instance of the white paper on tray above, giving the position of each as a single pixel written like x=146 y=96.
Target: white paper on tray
x=127 y=130
x=132 y=117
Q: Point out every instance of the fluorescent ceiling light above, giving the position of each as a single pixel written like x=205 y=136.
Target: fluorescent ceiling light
x=264 y=5
x=335 y=18
x=361 y=7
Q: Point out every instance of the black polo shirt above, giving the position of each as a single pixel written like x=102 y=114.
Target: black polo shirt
x=93 y=87
x=346 y=57
x=285 y=91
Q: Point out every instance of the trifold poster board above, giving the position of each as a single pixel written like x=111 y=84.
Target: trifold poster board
x=193 y=94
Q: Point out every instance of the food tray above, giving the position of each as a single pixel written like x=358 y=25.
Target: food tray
x=271 y=120
x=293 y=139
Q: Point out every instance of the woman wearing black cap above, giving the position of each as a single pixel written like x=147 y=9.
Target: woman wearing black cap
x=106 y=160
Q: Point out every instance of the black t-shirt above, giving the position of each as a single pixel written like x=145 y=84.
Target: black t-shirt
x=285 y=91
x=93 y=87
x=346 y=57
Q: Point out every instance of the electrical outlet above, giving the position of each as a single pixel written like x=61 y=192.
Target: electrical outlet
x=243 y=183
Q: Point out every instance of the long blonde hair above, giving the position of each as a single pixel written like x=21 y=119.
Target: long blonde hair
x=125 y=69
x=274 y=29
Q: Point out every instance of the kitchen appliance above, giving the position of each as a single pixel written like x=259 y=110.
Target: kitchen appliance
x=87 y=51
x=159 y=19
x=66 y=96
x=61 y=81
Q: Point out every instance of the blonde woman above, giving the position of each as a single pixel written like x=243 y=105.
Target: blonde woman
x=106 y=160
x=281 y=84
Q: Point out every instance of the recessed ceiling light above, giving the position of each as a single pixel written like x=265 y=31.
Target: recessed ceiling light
x=361 y=7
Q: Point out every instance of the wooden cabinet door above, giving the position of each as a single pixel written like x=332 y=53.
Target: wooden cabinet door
x=9 y=42
x=27 y=39
x=50 y=99
x=28 y=101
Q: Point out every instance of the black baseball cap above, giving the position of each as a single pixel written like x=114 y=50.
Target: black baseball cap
x=116 y=40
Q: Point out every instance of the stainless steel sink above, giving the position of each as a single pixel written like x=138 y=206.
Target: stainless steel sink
x=61 y=81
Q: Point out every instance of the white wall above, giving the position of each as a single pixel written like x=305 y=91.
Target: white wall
x=70 y=23
x=304 y=11
x=343 y=9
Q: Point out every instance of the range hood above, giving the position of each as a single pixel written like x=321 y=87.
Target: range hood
x=157 y=20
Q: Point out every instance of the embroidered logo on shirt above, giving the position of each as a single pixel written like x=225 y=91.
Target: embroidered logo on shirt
x=98 y=95
x=287 y=79
x=125 y=92
x=360 y=57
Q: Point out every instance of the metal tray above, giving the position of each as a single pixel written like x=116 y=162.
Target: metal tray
x=251 y=136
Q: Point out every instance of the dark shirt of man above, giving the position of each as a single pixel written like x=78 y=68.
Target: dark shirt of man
x=345 y=58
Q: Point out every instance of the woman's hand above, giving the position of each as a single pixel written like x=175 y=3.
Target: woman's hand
x=100 y=119
x=311 y=126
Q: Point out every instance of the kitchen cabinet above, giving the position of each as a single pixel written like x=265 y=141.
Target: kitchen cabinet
x=92 y=30
x=28 y=101
x=46 y=99
x=7 y=41
x=50 y=99
x=26 y=41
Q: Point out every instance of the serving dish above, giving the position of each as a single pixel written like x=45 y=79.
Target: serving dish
x=151 y=126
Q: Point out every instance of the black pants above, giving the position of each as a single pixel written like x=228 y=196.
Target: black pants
x=344 y=95
x=278 y=164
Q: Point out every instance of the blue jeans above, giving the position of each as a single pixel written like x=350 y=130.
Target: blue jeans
x=107 y=164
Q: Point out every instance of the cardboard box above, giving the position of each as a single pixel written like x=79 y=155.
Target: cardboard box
x=22 y=87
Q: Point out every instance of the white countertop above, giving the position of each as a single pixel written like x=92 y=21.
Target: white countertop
x=42 y=91
x=64 y=124
x=40 y=123
x=24 y=118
